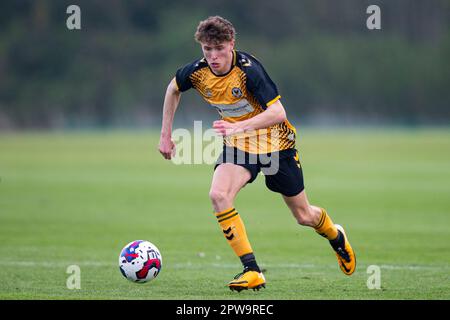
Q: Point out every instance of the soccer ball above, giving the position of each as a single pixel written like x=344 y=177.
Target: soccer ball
x=140 y=261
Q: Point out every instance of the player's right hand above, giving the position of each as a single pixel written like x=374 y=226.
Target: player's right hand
x=167 y=148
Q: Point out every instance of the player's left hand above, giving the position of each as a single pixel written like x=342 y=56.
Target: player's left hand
x=226 y=128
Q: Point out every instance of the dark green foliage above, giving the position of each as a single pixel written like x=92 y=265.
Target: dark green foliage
x=327 y=64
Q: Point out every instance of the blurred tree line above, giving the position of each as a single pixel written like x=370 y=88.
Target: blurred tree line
x=328 y=66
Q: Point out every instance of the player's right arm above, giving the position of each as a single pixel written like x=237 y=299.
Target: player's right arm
x=171 y=101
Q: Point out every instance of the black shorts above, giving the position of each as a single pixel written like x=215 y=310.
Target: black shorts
x=281 y=169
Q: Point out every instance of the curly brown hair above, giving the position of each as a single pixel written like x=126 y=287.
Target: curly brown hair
x=215 y=30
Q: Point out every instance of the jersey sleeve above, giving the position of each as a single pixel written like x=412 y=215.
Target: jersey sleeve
x=183 y=76
x=259 y=83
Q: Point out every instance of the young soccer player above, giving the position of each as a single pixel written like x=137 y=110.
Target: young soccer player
x=257 y=137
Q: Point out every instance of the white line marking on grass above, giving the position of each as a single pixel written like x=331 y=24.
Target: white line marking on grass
x=49 y=264
x=190 y=265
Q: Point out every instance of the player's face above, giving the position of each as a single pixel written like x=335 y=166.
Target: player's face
x=219 y=56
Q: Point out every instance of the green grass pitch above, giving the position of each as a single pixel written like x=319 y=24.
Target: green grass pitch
x=78 y=198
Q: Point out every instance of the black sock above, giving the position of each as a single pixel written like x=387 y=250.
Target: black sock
x=339 y=242
x=249 y=262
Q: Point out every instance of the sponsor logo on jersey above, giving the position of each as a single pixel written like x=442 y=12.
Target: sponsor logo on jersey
x=238 y=109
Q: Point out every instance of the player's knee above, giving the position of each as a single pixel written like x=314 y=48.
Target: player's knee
x=218 y=196
x=304 y=217
x=302 y=220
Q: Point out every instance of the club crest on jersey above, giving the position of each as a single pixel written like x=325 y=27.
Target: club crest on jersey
x=236 y=92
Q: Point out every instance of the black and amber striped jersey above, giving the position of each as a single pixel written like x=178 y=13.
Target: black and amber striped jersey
x=242 y=93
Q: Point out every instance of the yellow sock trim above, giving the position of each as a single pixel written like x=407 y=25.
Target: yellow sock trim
x=326 y=227
x=221 y=213
x=234 y=231
x=227 y=214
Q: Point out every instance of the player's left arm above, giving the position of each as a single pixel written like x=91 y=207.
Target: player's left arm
x=274 y=114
